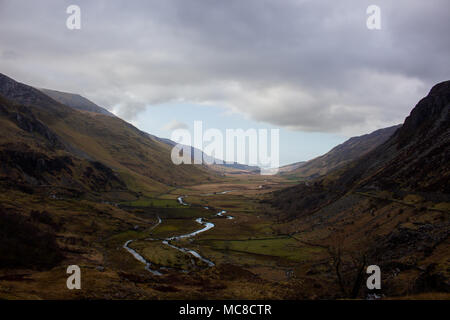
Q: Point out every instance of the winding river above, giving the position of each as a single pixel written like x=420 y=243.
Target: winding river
x=167 y=241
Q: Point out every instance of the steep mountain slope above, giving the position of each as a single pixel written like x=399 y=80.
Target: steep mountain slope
x=75 y=101
x=390 y=207
x=417 y=156
x=143 y=163
x=33 y=155
x=340 y=155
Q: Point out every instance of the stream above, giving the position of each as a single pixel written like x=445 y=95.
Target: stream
x=167 y=241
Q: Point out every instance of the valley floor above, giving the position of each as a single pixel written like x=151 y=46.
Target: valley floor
x=256 y=254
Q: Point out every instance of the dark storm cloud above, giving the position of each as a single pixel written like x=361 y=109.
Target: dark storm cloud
x=305 y=65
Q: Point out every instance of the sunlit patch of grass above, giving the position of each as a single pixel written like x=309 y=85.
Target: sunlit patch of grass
x=138 y=183
x=160 y=254
x=175 y=227
x=413 y=199
x=153 y=202
x=127 y=235
x=442 y=206
x=283 y=247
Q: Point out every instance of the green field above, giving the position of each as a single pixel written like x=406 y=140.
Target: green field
x=282 y=247
x=174 y=227
x=163 y=255
x=154 y=202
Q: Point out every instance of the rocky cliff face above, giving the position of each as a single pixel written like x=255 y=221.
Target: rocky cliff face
x=429 y=119
x=417 y=155
x=26 y=120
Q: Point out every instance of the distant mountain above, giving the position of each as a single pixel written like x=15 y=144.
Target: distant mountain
x=340 y=155
x=289 y=168
x=40 y=135
x=231 y=168
x=75 y=101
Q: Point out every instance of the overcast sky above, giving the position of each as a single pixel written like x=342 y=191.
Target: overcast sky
x=304 y=66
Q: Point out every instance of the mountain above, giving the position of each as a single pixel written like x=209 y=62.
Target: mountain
x=217 y=166
x=27 y=96
x=414 y=159
x=75 y=101
x=389 y=207
x=36 y=127
x=340 y=155
x=66 y=176
x=33 y=155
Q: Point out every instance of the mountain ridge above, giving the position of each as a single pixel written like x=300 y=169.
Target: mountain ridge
x=339 y=155
x=75 y=101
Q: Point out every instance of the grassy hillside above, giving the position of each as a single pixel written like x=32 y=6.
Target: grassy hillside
x=142 y=162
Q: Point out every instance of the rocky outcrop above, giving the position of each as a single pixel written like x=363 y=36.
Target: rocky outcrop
x=31 y=166
x=100 y=177
x=417 y=156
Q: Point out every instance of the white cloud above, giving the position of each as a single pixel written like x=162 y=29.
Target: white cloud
x=303 y=65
